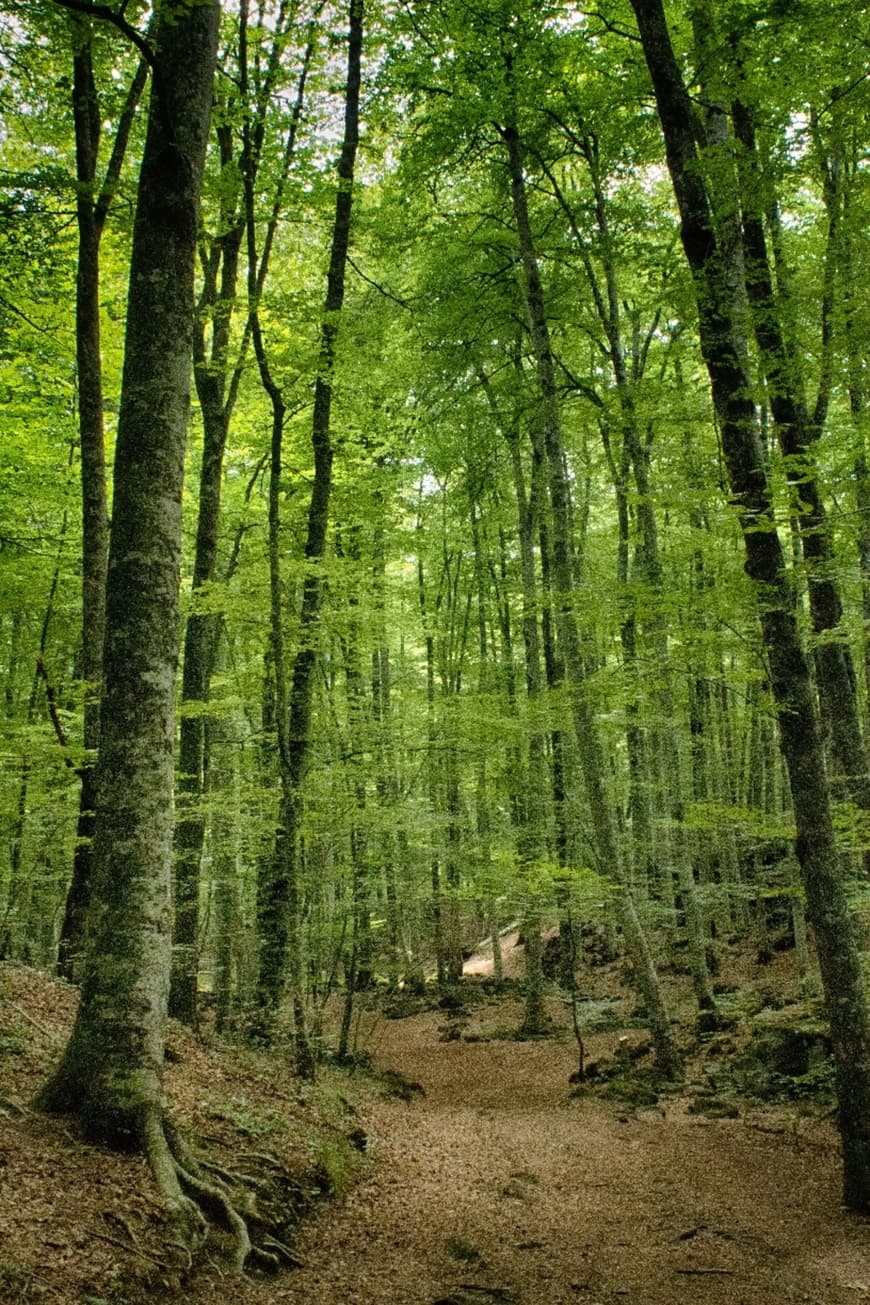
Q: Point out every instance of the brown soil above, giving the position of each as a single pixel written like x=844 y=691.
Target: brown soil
x=496 y=1185
x=500 y=1181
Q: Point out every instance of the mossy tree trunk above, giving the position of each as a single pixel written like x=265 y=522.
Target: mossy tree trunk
x=111 y=1071
x=725 y=355
x=92 y=207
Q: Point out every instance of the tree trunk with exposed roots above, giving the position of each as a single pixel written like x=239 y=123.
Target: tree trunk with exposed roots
x=111 y=1072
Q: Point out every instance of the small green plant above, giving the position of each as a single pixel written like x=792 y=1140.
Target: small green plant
x=115 y=1292
x=459 y=1249
x=14 y=1279
x=11 y=1044
x=254 y=1124
x=335 y=1161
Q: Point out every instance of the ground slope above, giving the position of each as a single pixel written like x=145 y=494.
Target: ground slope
x=499 y=1185
x=494 y=1184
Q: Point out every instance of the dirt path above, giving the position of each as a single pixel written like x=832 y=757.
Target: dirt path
x=498 y=1186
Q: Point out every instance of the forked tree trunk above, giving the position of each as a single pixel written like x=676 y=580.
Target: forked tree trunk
x=111 y=1073
x=725 y=356
x=217 y=387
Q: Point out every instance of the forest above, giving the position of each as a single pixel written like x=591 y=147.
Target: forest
x=434 y=571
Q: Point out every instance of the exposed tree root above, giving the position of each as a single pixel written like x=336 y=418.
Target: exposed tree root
x=10 y=1107
x=194 y=1193
x=211 y=1195
x=192 y=1198
x=265 y=1158
x=187 y=1218
x=131 y=1248
x=291 y=1260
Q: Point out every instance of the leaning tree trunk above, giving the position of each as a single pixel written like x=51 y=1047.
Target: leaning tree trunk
x=725 y=355
x=111 y=1073
x=799 y=431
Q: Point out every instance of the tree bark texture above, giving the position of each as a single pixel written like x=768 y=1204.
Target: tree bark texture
x=91 y=213
x=725 y=356
x=210 y=372
x=588 y=743
x=280 y=954
x=111 y=1071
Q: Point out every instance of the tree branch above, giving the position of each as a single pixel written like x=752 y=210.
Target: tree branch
x=403 y=303
x=117 y=19
x=51 y=699
x=122 y=136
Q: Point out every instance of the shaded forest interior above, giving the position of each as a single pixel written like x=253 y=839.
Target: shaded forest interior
x=435 y=531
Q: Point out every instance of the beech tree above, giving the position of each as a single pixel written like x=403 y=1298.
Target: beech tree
x=93 y=201
x=717 y=282
x=519 y=546
x=218 y=380
x=280 y=899
x=110 y=1075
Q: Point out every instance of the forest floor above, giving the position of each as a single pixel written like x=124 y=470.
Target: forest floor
x=492 y=1182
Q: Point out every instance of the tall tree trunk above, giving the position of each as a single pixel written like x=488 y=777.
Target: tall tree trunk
x=91 y=213
x=13 y=930
x=528 y=798
x=217 y=387
x=386 y=780
x=857 y=384
x=438 y=939
x=281 y=918
x=648 y=569
x=111 y=1073
x=588 y=743
x=360 y=966
x=725 y=356
x=210 y=372
x=798 y=431
x=223 y=783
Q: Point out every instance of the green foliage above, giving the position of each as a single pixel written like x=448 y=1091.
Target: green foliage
x=335 y=1162
x=426 y=740
x=253 y=1123
x=15 y=1280
x=460 y=1249
x=750 y=822
x=11 y=1043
